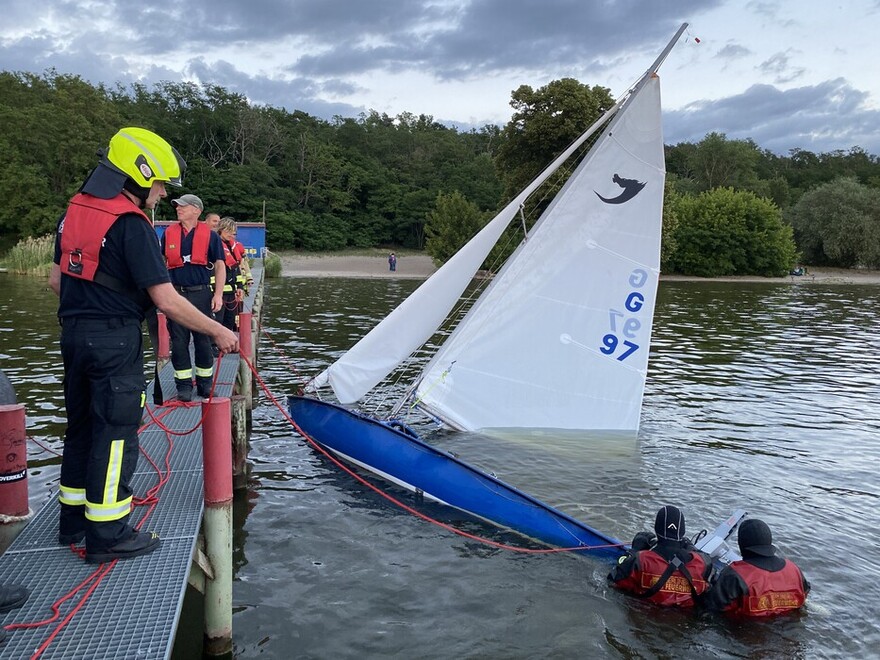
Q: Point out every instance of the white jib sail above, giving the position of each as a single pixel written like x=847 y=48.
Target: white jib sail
x=561 y=337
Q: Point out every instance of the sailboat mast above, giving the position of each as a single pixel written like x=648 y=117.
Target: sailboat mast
x=662 y=56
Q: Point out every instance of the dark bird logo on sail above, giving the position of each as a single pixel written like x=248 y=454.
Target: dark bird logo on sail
x=631 y=188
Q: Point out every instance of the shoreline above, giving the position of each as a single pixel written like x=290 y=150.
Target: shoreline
x=420 y=266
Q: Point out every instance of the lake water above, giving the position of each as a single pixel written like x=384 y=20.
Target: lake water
x=759 y=396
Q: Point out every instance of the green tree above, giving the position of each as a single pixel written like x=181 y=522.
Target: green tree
x=838 y=224
x=52 y=126
x=450 y=224
x=545 y=122
x=717 y=162
x=668 y=242
x=726 y=232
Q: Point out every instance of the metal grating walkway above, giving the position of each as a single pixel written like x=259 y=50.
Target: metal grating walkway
x=134 y=611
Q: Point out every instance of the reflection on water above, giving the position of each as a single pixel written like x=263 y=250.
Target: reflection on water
x=759 y=396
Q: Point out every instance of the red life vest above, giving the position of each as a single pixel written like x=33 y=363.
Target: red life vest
x=232 y=253
x=174 y=243
x=86 y=223
x=770 y=593
x=677 y=590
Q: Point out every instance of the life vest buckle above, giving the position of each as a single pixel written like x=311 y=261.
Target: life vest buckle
x=74 y=260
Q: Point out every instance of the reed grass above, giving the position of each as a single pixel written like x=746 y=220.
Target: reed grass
x=32 y=256
x=272 y=264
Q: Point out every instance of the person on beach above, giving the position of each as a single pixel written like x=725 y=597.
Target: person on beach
x=665 y=569
x=392 y=262
x=194 y=255
x=762 y=584
x=108 y=271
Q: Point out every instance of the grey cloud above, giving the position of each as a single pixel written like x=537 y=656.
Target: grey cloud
x=291 y=94
x=780 y=67
x=493 y=35
x=732 y=52
x=824 y=117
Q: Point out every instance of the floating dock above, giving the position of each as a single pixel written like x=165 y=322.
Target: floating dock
x=131 y=608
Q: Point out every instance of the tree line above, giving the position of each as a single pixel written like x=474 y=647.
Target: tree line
x=410 y=181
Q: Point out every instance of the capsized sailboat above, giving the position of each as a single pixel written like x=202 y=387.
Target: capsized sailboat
x=558 y=341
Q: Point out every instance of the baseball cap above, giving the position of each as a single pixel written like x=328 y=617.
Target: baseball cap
x=755 y=538
x=189 y=200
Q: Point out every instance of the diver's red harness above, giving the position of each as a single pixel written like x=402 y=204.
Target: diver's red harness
x=174 y=241
x=668 y=583
x=770 y=592
x=85 y=225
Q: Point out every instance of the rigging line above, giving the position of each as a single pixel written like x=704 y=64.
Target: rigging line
x=437 y=381
x=338 y=463
x=634 y=156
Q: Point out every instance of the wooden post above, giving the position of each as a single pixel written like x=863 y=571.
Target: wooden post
x=217 y=456
x=239 y=442
x=246 y=346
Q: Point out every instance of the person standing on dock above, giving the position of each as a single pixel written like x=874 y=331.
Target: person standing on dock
x=194 y=255
x=213 y=221
x=108 y=270
x=233 y=289
x=666 y=569
x=762 y=584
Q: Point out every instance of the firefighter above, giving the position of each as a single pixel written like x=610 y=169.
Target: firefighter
x=194 y=255
x=762 y=584
x=666 y=569
x=233 y=289
x=108 y=271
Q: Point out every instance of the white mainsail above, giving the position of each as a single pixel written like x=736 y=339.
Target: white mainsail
x=561 y=337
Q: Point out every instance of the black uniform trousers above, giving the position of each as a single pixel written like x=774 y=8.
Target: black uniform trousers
x=228 y=314
x=104 y=394
x=200 y=297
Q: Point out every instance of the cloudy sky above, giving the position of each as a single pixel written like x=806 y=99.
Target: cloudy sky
x=786 y=73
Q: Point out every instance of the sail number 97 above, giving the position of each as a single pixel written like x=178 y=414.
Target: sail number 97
x=625 y=326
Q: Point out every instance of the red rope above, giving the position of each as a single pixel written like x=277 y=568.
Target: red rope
x=406 y=507
x=42 y=446
x=281 y=353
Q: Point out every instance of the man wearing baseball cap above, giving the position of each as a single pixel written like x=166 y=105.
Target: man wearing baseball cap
x=193 y=254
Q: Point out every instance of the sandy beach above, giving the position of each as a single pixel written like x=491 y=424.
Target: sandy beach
x=420 y=266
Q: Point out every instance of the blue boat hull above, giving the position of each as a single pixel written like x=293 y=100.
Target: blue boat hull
x=415 y=465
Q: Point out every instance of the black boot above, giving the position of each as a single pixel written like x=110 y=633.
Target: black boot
x=12 y=596
x=140 y=543
x=204 y=386
x=184 y=389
